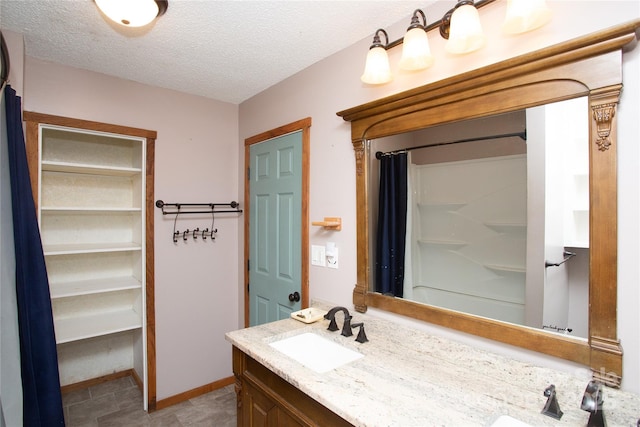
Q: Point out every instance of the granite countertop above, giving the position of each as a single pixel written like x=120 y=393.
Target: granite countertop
x=411 y=378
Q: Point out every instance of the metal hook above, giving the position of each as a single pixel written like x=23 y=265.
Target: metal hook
x=160 y=204
x=184 y=235
x=204 y=233
x=195 y=235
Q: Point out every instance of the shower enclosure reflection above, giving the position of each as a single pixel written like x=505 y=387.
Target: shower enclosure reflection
x=490 y=220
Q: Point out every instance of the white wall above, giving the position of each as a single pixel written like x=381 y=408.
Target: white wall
x=334 y=84
x=196 y=161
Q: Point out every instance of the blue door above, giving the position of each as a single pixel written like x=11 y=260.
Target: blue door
x=275 y=224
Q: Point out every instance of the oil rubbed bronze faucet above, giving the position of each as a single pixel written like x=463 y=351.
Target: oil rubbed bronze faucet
x=592 y=402
x=333 y=325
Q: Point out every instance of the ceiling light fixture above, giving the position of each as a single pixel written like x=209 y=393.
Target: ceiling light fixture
x=132 y=13
x=460 y=26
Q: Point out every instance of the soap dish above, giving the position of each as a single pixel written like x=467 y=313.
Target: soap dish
x=308 y=315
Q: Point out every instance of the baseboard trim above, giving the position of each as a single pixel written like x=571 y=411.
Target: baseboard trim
x=190 y=394
x=99 y=380
x=137 y=379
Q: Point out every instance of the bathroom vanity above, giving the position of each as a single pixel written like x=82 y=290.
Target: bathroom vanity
x=406 y=378
x=267 y=399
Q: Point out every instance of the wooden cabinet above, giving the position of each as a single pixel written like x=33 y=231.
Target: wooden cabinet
x=91 y=190
x=265 y=399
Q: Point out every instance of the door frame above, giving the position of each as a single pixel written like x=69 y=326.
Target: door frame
x=303 y=125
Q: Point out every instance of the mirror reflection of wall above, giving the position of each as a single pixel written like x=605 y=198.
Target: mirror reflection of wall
x=485 y=215
x=559 y=145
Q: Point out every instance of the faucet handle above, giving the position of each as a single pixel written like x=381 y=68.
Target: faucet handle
x=362 y=337
x=552 y=407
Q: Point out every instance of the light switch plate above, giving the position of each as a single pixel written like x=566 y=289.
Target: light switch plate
x=318 y=256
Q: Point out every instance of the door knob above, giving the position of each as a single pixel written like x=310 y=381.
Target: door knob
x=294 y=297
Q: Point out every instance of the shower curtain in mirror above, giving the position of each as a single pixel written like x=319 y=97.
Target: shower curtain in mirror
x=42 y=400
x=392 y=224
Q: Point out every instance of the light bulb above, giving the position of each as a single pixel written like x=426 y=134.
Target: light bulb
x=466 y=33
x=525 y=15
x=416 y=53
x=376 y=69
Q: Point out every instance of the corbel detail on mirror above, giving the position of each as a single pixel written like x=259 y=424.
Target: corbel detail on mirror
x=590 y=65
x=603 y=115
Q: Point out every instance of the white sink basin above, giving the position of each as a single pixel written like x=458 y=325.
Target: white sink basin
x=507 y=421
x=315 y=352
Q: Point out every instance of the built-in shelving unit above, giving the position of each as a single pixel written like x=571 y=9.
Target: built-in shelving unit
x=91 y=192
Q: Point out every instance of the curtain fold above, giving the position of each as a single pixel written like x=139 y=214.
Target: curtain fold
x=42 y=399
x=392 y=225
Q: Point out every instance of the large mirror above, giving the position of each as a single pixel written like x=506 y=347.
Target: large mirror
x=588 y=67
x=497 y=216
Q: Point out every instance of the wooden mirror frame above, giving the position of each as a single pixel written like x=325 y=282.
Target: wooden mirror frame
x=587 y=66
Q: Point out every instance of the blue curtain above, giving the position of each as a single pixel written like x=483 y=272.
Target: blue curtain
x=392 y=224
x=42 y=399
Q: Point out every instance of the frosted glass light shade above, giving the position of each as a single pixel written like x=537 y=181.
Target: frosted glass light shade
x=376 y=69
x=525 y=15
x=465 y=33
x=416 y=53
x=130 y=13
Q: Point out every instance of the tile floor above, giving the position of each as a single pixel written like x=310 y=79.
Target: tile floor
x=119 y=403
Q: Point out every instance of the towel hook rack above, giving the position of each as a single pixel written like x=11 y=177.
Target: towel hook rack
x=178 y=209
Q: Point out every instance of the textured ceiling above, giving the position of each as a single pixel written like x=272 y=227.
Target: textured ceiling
x=224 y=50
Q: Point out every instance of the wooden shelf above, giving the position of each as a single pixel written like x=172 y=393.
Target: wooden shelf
x=329 y=223
x=95 y=286
x=51 y=166
x=90 y=248
x=94 y=325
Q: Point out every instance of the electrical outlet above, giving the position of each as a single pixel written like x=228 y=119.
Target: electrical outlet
x=332 y=259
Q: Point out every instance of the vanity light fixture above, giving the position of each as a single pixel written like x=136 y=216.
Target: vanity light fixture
x=376 y=69
x=460 y=26
x=525 y=15
x=416 y=53
x=465 y=33
x=132 y=13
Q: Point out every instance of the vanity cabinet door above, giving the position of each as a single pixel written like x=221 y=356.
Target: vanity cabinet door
x=265 y=399
x=260 y=411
